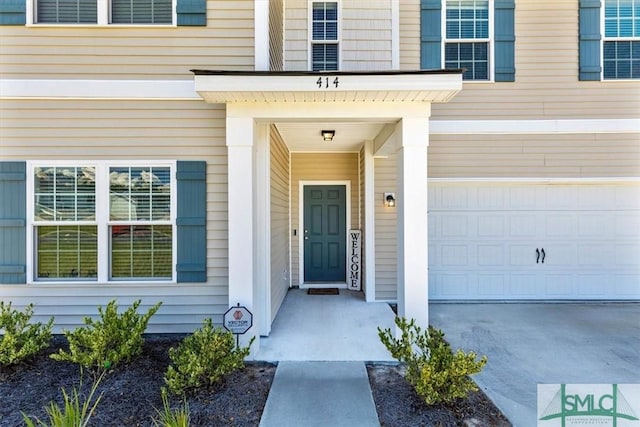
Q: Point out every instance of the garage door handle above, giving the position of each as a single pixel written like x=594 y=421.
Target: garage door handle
x=543 y=255
x=537 y=255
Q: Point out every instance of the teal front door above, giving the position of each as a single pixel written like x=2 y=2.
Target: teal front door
x=325 y=233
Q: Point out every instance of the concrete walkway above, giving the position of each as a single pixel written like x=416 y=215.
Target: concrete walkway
x=327 y=327
x=320 y=394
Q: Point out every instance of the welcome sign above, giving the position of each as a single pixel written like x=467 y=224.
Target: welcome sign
x=354 y=264
x=561 y=405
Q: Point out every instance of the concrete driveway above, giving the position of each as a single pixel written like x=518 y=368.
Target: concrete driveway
x=530 y=344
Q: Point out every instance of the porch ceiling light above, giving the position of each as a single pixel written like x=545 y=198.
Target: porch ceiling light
x=328 y=135
x=390 y=200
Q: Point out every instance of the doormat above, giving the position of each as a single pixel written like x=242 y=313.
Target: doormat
x=323 y=291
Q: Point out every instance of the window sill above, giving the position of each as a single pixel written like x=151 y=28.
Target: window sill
x=93 y=283
x=47 y=25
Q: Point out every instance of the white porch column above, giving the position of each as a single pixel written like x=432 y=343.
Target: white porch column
x=369 y=223
x=413 y=261
x=240 y=134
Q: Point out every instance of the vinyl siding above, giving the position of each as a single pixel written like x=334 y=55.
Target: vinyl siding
x=522 y=156
x=547 y=85
x=147 y=130
x=276 y=35
x=280 y=272
x=386 y=242
x=319 y=167
x=365 y=42
x=120 y=52
x=409 y=34
x=296 y=36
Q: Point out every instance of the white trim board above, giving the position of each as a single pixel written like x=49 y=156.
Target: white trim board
x=98 y=89
x=177 y=90
x=533 y=126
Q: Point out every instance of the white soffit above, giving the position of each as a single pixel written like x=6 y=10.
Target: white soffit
x=221 y=87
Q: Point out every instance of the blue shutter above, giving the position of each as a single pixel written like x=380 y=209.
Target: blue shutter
x=505 y=69
x=589 y=49
x=191 y=221
x=13 y=12
x=430 y=34
x=192 y=12
x=13 y=215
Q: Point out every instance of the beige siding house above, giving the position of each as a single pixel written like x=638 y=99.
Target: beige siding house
x=182 y=157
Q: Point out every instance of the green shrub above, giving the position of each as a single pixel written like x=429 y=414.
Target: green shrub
x=203 y=358
x=104 y=343
x=436 y=373
x=72 y=413
x=18 y=338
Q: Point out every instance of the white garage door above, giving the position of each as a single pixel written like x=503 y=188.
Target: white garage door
x=523 y=240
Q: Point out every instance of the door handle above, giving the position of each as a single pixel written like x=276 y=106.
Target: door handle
x=543 y=255
x=537 y=255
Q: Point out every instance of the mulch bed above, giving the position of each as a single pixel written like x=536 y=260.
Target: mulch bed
x=130 y=393
x=398 y=405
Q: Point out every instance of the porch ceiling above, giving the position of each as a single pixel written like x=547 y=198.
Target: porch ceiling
x=223 y=87
x=352 y=90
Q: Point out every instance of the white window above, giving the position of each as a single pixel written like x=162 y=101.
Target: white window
x=132 y=12
x=621 y=42
x=324 y=36
x=467 y=38
x=102 y=222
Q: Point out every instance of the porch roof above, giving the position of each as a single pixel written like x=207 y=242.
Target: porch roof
x=217 y=86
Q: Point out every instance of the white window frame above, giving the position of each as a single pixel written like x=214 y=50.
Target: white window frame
x=604 y=39
x=102 y=219
x=338 y=40
x=491 y=54
x=104 y=17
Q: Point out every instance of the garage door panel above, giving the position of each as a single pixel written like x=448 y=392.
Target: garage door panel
x=452 y=285
x=558 y=255
x=492 y=198
x=522 y=255
x=592 y=285
x=627 y=226
x=483 y=241
x=491 y=285
x=490 y=255
x=491 y=226
x=454 y=255
x=625 y=285
x=595 y=254
x=559 y=197
x=559 y=285
x=627 y=254
x=560 y=225
x=627 y=197
x=523 y=285
x=593 y=225
x=455 y=226
x=523 y=226
x=524 y=200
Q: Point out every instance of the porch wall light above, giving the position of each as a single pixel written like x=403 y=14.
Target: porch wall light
x=328 y=135
x=390 y=200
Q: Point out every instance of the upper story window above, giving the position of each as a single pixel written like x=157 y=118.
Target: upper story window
x=621 y=42
x=467 y=38
x=101 y=222
x=324 y=36
x=145 y=12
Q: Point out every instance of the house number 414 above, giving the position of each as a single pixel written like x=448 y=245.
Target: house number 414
x=324 y=82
